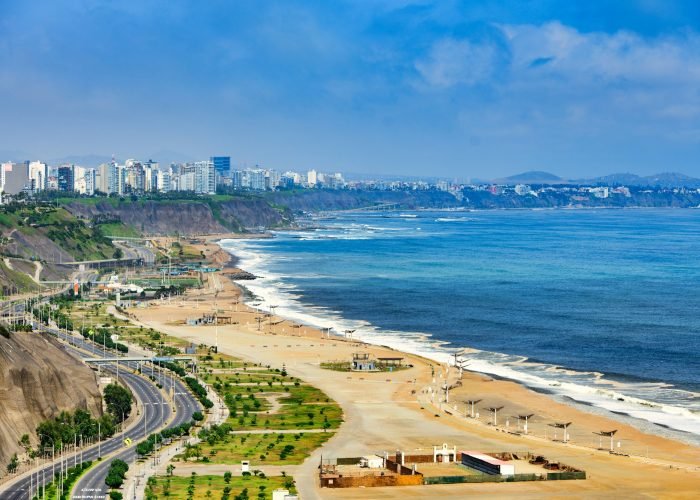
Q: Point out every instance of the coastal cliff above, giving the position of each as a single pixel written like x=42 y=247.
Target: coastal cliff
x=328 y=200
x=38 y=380
x=187 y=216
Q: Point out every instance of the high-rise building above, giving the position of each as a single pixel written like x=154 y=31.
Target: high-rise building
x=311 y=178
x=272 y=179
x=79 y=180
x=90 y=178
x=108 y=178
x=237 y=178
x=15 y=177
x=257 y=179
x=204 y=177
x=164 y=181
x=38 y=175
x=66 y=178
x=222 y=165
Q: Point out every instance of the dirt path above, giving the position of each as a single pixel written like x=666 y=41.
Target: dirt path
x=39 y=267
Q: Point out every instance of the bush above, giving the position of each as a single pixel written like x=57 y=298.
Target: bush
x=114 y=480
x=116 y=474
x=4 y=331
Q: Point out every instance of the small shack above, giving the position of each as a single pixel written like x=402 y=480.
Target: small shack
x=487 y=464
x=372 y=462
x=390 y=362
x=361 y=361
x=444 y=453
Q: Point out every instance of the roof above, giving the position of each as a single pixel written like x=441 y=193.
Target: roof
x=484 y=458
x=390 y=358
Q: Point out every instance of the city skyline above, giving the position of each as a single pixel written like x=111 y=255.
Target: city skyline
x=457 y=89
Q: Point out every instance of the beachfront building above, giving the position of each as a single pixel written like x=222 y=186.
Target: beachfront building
x=362 y=362
x=487 y=464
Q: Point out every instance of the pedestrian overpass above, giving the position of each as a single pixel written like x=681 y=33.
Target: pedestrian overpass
x=139 y=359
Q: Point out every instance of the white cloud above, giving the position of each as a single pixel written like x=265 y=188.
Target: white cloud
x=458 y=62
x=607 y=58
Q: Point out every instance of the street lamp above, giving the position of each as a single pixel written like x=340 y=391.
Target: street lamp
x=53 y=460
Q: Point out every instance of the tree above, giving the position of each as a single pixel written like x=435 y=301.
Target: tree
x=118 y=253
x=14 y=463
x=24 y=443
x=197 y=416
x=118 y=400
x=115 y=495
x=114 y=480
x=143 y=448
x=227 y=477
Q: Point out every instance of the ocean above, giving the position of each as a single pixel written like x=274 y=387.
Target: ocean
x=598 y=307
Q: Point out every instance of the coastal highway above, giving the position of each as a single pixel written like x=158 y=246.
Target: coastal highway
x=156 y=412
x=92 y=485
x=144 y=391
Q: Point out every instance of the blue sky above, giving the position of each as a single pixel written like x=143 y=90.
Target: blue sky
x=451 y=88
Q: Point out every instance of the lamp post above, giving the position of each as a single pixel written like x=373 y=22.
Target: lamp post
x=53 y=459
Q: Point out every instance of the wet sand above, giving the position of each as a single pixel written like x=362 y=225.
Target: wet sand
x=389 y=411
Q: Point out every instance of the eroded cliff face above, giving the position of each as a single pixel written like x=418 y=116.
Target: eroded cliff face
x=38 y=380
x=186 y=217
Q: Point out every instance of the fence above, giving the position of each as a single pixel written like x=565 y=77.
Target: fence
x=558 y=476
x=481 y=478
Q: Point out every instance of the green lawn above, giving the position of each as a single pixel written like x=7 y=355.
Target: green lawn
x=118 y=229
x=270 y=449
x=301 y=406
x=205 y=487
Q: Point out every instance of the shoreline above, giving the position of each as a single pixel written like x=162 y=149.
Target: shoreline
x=601 y=398
x=386 y=411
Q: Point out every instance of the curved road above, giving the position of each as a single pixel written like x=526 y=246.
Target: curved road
x=157 y=412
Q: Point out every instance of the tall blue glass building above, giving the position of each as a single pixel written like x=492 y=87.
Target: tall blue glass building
x=222 y=165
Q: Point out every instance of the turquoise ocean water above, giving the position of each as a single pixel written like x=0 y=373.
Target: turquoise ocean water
x=599 y=306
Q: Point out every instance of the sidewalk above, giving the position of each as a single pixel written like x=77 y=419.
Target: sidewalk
x=138 y=476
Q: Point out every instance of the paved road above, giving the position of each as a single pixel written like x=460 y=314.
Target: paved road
x=158 y=411
x=151 y=403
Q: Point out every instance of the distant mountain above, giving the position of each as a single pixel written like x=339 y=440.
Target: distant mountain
x=532 y=177
x=673 y=179
x=166 y=157
x=89 y=160
x=663 y=180
x=620 y=179
x=14 y=155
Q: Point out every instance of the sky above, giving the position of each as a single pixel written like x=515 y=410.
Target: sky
x=463 y=89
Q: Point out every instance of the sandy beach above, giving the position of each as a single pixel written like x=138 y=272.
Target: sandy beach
x=390 y=411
